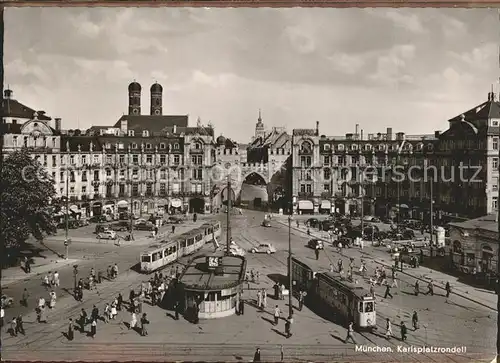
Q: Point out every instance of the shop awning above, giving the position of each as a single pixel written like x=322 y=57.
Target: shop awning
x=176 y=203
x=122 y=204
x=306 y=204
x=404 y=206
x=325 y=204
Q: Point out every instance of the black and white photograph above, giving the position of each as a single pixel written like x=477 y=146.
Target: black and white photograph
x=250 y=184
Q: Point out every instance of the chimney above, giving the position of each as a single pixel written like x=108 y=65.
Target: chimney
x=437 y=133
x=361 y=136
x=317 y=128
x=124 y=126
x=400 y=136
x=389 y=134
x=175 y=129
x=57 y=122
x=356 y=132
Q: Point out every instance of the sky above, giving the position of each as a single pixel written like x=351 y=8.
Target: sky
x=409 y=69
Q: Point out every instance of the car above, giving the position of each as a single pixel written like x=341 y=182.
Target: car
x=145 y=226
x=83 y=222
x=312 y=222
x=235 y=250
x=7 y=301
x=107 y=235
x=264 y=248
x=98 y=219
x=266 y=223
x=120 y=226
x=101 y=228
x=174 y=220
x=315 y=244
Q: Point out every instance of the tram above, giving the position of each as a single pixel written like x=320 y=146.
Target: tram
x=350 y=301
x=161 y=254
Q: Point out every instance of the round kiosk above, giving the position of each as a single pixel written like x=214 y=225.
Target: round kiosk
x=210 y=286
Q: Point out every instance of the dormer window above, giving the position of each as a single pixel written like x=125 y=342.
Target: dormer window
x=326 y=147
x=420 y=146
x=145 y=133
x=381 y=147
x=130 y=132
x=176 y=146
x=354 y=147
x=134 y=146
x=495 y=122
x=306 y=147
x=148 y=146
x=108 y=145
x=368 y=147
x=430 y=147
x=198 y=146
x=162 y=145
x=340 y=146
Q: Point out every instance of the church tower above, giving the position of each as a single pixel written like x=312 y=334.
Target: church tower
x=156 y=99
x=134 y=98
x=259 y=127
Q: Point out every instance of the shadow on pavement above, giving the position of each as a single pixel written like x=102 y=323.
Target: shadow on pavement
x=270 y=321
x=338 y=338
x=278 y=332
x=279 y=278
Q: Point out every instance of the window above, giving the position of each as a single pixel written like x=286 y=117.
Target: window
x=84 y=159
x=26 y=141
x=54 y=160
x=84 y=189
x=121 y=189
x=495 y=163
x=134 y=145
x=72 y=190
x=108 y=145
x=131 y=133
x=198 y=146
x=494 y=123
x=495 y=143
x=326 y=160
x=198 y=174
x=308 y=188
x=96 y=159
x=162 y=145
x=495 y=203
x=176 y=146
x=72 y=177
x=177 y=159
x=302 y=188
x=96 y=175
x=341 y=160
x=327 y=174
x=149 y=158
x=96 y=189
x=149 y=189
x=135 y=159
x=135 y=172
x=14 y=141
x=61 y=176
x=145 y=133
x=326 y=188
x=163 y=159
x=84 y=176
x=135 y=190
x=108 y=172
x=53 y=175
x=197 y=159
x=162 y=188
x=306 y=147
x=148 y=146
x=305 y=161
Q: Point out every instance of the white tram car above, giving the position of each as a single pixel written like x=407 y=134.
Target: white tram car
x=161 y=254
x=351 y=301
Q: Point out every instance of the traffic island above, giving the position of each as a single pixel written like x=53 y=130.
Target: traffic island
x=210 y=286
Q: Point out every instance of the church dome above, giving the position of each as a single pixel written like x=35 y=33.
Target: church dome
x=134 y=87
x=156 y=87
x=221 y=140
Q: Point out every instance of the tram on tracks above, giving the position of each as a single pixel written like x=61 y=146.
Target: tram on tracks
x=163 y=253
x=351 y=301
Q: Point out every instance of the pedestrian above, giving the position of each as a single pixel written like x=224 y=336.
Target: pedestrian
x=387 y=291
x=259 y=299
x=287 y=329
x=316 y=251
x=115 y=271
x=119 y=302
x=241 y=307
x=94 y=314
x=339 y=264
x=144 y=323
x=13 y=327
x=176 y=310
x=264 y=298
x=93 y=328
x=417 y=288
x=256 y=356
x=331 y=268
x=133 y=321
x=113 y=312
x=109 y=272
x=404 y=331
x=430 y=286
x=301 y=300
x=282 y=292
x=52 y=302
x=173 y=229
x=56 y=279
x=276 y=315
x=46 y=282
x=131 y=297
x=448 y=289
x=282 y=353
x=107 y=313
x=276 y=291
x=99 y=277
x=350 y=333
x=83 y=320
x=388 y=327
x=372 y=290
x=2 y=316
x=27 y=265
x=70 y=333
x=24 y=298
x=92 y=272
x=414 y=320
x=43 y=315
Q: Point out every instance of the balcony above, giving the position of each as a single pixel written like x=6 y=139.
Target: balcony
x=306 y=194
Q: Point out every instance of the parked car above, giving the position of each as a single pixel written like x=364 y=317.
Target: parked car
x=315 y=244
x=266 y=223
x=235 y=250
x=145 y=226
x=7 y=301
x=264 y=248
x=98 y=219
x=174 y=220
x=101 y=228
x=312 y=222
x=120 y=226
x=107 y=235
x=157 y=219
x=83 y=222
x=328 y=225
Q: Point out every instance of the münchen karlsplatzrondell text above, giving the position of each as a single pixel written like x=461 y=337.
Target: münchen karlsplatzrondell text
x=410 y=349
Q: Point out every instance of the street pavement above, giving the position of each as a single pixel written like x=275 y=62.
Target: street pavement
x=458 y=322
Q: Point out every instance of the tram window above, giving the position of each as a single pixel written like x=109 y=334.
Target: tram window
x=369 y=307
x=146 y=258
x=174 y=249
x=183 y=243
x=360 y=307
x=156 y=256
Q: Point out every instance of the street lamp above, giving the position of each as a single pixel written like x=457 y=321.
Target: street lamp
x=228 y=231
x=290 y=279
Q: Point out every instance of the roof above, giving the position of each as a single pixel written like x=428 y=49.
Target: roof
x=304 y=132
x=13 y=108
x=487 y=223
x=9 y=128
x=99 y=143
x=197 y=277
x=312 y=263
x=486 y=110
x=358 y=290
x=153 y=123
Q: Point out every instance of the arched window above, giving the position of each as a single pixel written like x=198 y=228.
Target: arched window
x=306 y=147
x=145 y=133
x=457 y=246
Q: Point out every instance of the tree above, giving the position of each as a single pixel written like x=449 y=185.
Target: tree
x=26 y=192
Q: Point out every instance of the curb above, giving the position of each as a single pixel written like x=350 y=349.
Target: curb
x=407 y=274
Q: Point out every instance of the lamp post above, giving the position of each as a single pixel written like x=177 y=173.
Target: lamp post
x=228 y=231
x=66 y=232
x=290 y=279
x=75 y=275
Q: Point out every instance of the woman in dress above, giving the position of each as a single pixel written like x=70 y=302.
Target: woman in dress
x=113 y=311
x=52 y=299
x=133 y=321
x=107 y=312
x=70 y=330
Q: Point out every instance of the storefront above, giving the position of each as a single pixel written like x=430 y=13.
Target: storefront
x=175 y=205
x=325 y=207
x=211 y=286
x=122 y=206
x=305 y=207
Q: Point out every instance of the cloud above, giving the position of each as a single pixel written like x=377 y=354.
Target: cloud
x=391 y=66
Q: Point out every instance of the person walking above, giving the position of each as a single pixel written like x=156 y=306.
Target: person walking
x=282 y=352
x=93 y=328
x=448 y=289
x=113 y=311
x=43 y=315
x=176 y=310
x=13 y=327
x=27 y=265
x=388 y=329
x=288 y=334
x=350 y=333
x=94 y=314
x=404 y=331
x=133 y=321
x=414 y=320
x=173 y=229
x=24 y=298
x=52 y=299
x=144 y=325
x=259 y=299
x=339 y=264
x=372 y=290
x=2 y=316
x=56 y=279
x=83 y=320
x=70 y=333
x=301 y=300
x=417 y=288
x=256 y=356
x=387 y=291
x=131 y=297
x=430 y=287
x=264 y=298
x=277 y=313
x=316 y=251
x=241 y=307
x=107 y=312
